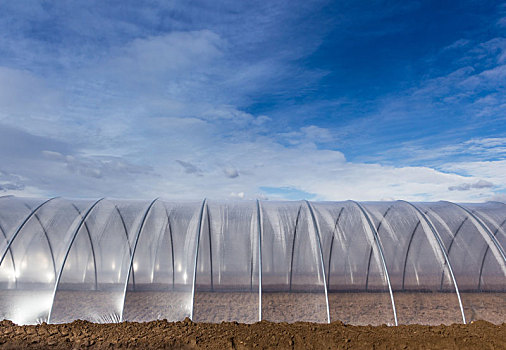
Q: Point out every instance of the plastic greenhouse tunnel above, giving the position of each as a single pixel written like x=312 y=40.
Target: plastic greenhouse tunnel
x=357 y=262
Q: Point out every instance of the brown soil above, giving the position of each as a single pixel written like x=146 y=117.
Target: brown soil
x=261 y=335
x=350 y=308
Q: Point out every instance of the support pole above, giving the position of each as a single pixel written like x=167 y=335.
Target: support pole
x=197 y=243
x=317 y=232
x=441 y=247
x=293 y=245
x=336 y=226
x=485 y=255
x=12 y=258
x=130 y=265
x=127 y=239
x=259 y=222
x=69 y=246
x=172 y=248
x=479 y=223
x=20 y=227
x=92 y=247
x=451 y=245
x=370 y=250
x=382 y=256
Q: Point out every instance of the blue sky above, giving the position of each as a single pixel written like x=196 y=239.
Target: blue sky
x=325 y=100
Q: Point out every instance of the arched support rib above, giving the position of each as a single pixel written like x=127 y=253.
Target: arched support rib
x=12 y=258
x=407 y=253
x=197 y=243
x=479 y=223
x=171 y=247
x=210 y=245
x=130 y=265
x=451 y=245
x=127 y=238
x=485 y=255
x=161 y=234
x=423 y=217
x=91 y=245
x=259 y=223
x=336 y=226
x=48 y=243
x=74 y=235
x=317 y=232
x=20 y=227
x=382 y=256
x=370 y=250
x=293 y=245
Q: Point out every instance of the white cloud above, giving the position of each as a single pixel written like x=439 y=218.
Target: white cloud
x=27 y=99
x=189 y=168
x=466 y=186
x=165 y=115
x=231 y=172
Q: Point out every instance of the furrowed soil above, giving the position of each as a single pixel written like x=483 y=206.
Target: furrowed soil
x=261 y=335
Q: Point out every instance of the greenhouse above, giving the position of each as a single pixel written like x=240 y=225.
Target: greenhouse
x=357 y=262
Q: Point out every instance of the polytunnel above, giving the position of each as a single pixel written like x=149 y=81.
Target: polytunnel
x=360 y=263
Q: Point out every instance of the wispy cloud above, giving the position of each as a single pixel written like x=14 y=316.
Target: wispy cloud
x=468 y=186
x=232 y=100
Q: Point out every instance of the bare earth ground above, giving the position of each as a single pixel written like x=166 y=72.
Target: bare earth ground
x=429 y=309
x=261 y=335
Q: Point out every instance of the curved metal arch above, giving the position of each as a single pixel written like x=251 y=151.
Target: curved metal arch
x=127 y=238
x=409 y=247
x=451 y=245
x=259 y=223
x=10 y=250
x=332 y=245
x=370 y=250
x=91 y=245
x=251 y=258
x=48 y=242
x=483 y=226
x=317 y=231
x=161 y=233
x=407 y=253
x=20 y=227
x=197 y=243
x=130 y=267
x=172 y=247
x=485 y=255
x=441 y=246
x=382 y=256
x=12 y=257
x=210 y=245
x=74 y=235
x=293 y=244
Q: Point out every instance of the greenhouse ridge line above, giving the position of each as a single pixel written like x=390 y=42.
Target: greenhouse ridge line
x=305 y=242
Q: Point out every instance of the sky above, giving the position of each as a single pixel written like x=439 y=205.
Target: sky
x=278 y=100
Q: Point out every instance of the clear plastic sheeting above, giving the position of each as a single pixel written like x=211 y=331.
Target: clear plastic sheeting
x=389 y=263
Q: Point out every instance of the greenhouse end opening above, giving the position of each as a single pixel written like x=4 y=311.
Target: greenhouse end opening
x=357 y=262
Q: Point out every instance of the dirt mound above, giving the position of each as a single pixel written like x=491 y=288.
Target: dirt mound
x=261 y=335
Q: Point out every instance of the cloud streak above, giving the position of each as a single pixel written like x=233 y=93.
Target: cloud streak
x=201 y=102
